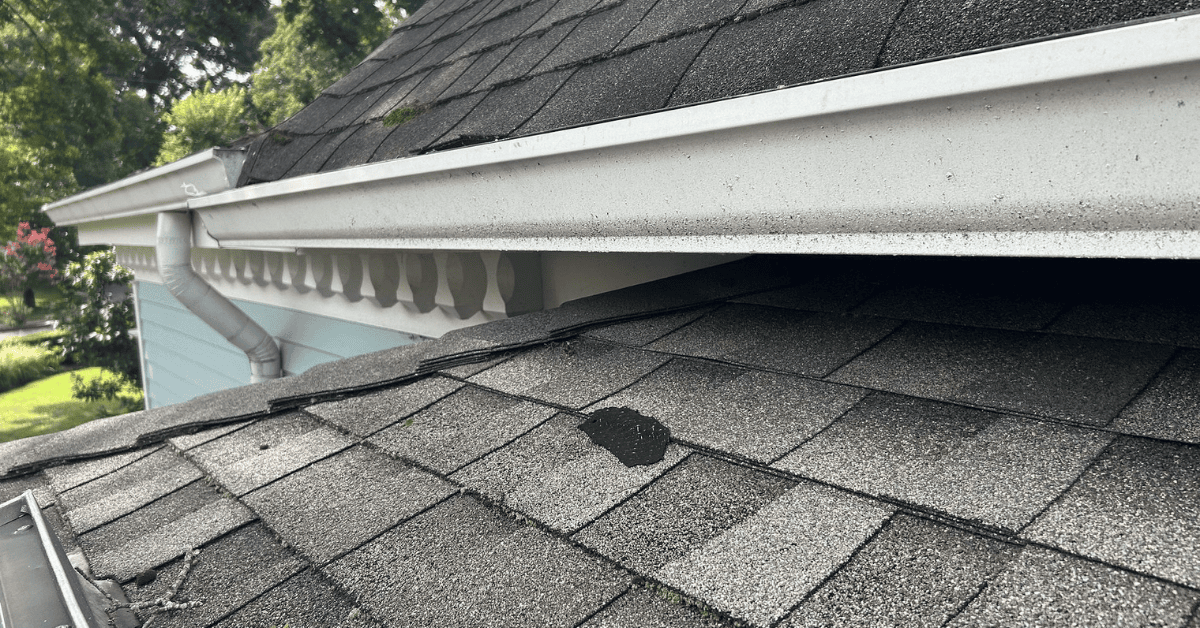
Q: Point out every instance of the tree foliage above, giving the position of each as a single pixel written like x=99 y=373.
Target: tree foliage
x=204 y=119
x=98 y=330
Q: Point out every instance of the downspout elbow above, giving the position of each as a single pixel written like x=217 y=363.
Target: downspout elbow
x=174 y=252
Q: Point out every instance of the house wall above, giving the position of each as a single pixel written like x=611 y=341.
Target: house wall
x=185 y=358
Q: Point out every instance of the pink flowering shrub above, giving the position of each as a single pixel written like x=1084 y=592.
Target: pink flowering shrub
x=26 y=260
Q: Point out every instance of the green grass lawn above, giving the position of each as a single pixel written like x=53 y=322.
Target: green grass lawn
x=46 y=406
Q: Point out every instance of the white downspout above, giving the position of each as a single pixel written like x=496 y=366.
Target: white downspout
x=174 y=251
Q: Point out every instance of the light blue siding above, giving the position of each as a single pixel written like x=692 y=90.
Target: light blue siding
x=185 y=358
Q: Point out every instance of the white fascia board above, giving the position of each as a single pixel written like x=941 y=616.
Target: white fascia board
x=1080 y=146
x=166 y=188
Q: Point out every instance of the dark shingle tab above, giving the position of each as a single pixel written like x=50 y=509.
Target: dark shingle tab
x=460 y=428
x=339 y=503
x=981 y=466
x=808 y=344
x=915 y=573
x=1137 y=507
x=558 y=476
x=810 y=41
x=597 y=34
x=1078 y=379
x=528 y=53
x=623 y=85
x=1045 y=588
x=763 y=566
x=655 y=526
x=461 y=564
x=761 y=416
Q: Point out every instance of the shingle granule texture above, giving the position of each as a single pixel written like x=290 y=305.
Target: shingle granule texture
x=758 y=569
x=462 y=564
x=812 y=345
x=220 y=578
x=366 y=414
x=913 y=573
x=640 y=332
x=1138 y=506
x=1044 y=588
x=306 y=600
x=195 y=439
x=558 y=476
x=267 y=451
x=758 y=415
x=639 y=607
x=1003 y=307
x=127 y=489
x=1078 y=379
x=1169 y=408
x=571 y=374
x=66 y=477
x=982 y=466
x=656 y=526
x=321 y=509
x=460 y=428
x=161 y=540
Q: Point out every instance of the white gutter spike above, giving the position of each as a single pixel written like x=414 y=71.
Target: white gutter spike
x=174 y=252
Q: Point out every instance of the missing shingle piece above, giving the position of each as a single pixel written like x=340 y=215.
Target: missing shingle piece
x=635 y=439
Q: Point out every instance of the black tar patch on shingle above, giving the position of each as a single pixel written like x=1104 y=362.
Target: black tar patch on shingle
x=635 y=439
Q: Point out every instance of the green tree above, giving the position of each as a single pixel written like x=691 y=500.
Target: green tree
x=204 y=119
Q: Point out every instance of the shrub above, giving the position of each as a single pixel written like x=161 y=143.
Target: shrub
x=21 y=364
x=96 y=331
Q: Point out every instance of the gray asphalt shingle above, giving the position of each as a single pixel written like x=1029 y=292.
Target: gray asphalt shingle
x=321 y=510
x=162 y=531
x=558 y=476
x=1045 y=588
x=462 y=564
x=366 y=414
x=1169 y=408
x=66 y=477
x=460 y=428
x=1138 y=507
x=758 y=415
x=306 y=600
x=643 y=331
x=655 y=526
x=127 y=489
x=761 y=567
x=571 y=374
x=981 y=466
x=266 y=451
x=813 y=344
x=219 y=579
x=640 y=607
x=915 y=572
x=1079 y=379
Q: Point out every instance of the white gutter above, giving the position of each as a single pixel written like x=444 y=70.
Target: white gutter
x=174 y=252
x=1084 y=145
x=166 y=188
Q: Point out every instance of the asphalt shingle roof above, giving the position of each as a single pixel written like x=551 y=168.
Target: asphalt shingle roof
x=958 y=469
x=463 y=72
